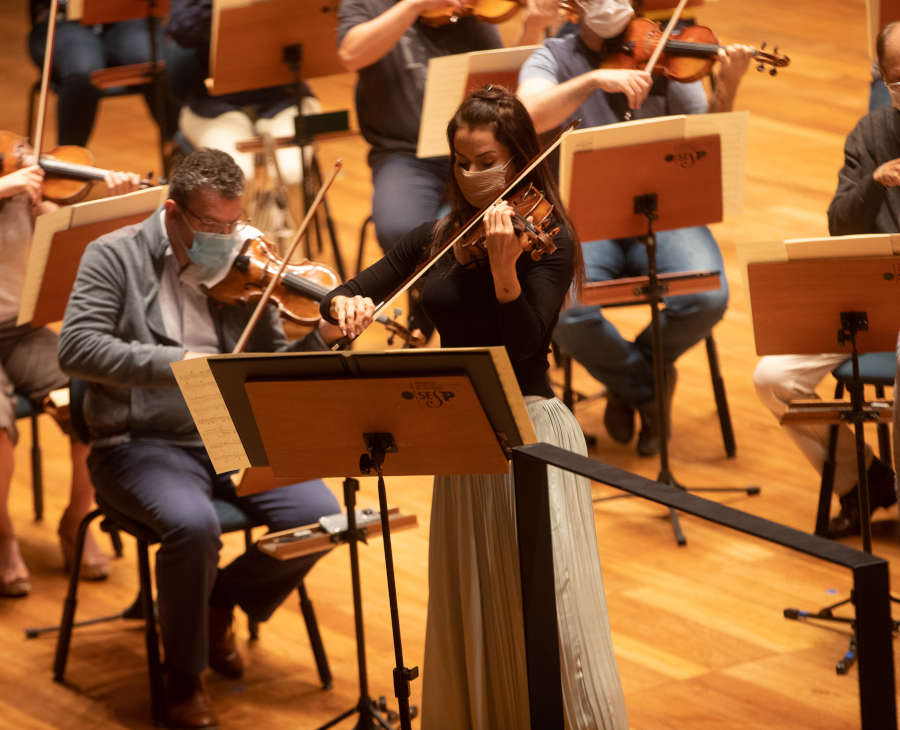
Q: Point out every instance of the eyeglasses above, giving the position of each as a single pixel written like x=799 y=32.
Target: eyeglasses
x=211 y=225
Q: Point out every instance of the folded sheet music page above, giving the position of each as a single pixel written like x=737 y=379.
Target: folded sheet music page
x=448 y=81
x=730 y=126
x=61 y=236
x=210 y=414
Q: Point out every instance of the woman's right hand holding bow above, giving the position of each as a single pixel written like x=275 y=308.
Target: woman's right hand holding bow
x=353 y=314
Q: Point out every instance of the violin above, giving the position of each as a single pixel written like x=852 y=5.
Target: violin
x=532 y=216
x=489 y=11
x=297 y=292
x=688 y=54
x=69 y=170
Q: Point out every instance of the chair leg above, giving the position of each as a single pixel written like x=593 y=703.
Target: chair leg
x=64 y=637
x=826 y=486
x=362 y=243
x=252 y=624
x=154 y=665
x=718 y=384
x=37 y=471
x=315 y=638
x=884 y=433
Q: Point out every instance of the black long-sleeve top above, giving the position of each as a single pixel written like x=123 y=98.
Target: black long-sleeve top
x=860 y=204
x=463 y=306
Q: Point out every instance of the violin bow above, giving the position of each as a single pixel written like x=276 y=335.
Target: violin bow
x=663 y=39
x=263 y=300
x=37 y=141
x=476 y=219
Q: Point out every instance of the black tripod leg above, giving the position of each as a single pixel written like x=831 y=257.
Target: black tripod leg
x=849 y=659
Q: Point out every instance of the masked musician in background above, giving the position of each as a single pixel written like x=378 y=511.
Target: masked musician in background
x=564 y=80
x=867 y=200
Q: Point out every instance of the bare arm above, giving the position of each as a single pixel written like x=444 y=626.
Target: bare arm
x=368 y=42
x=734 y=60
x=551 y=104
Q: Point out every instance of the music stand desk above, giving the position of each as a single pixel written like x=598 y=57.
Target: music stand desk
x=452 y=411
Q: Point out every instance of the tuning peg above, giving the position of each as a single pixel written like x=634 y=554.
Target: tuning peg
x=763 y=46
x=773 y=71
x=760 y=67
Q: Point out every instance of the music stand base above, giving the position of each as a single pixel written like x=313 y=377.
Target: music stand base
x=647 y=206
x=851 y=323
x=369 y=716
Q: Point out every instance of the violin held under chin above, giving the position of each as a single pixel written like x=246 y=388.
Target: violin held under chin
x=68 y=170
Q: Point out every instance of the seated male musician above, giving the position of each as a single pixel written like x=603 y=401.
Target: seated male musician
x=867 y=200
x=564 y=80
x=137 y=307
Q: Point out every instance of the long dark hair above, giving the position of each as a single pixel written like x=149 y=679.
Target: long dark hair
x=497 y=109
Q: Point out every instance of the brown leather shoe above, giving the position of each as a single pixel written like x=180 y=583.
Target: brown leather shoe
x=187 y=703
x=223 y=654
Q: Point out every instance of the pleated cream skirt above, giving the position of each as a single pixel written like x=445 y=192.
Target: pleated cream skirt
x=474 y=669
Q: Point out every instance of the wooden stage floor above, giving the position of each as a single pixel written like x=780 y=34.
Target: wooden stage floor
x=699 y=634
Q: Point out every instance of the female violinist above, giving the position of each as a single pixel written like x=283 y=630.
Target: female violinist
x=390 y=45
x=474 y=676
x=28 y=365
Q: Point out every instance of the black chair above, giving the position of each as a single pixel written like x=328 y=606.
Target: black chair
x=571 y=397
x=875 y=369
x=231 y=518
x=27 y=408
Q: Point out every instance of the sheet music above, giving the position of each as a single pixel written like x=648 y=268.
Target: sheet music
x=75 y=216
x=44 y=228
x=446 y=86
x=207 y=407
x=886 y=244
x=878 y=14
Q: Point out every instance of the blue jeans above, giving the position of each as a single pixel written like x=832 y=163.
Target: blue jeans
x=626 y=367
x=168 y=489
x=407 y=191
x=77 y=51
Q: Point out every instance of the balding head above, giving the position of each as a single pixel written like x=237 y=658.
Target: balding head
x=888 y=48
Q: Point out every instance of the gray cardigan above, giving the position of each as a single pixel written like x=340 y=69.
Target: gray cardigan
x=113 y=336
x=861 y=205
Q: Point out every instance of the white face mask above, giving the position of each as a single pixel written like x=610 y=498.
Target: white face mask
x=607 y=18
x=482 y=186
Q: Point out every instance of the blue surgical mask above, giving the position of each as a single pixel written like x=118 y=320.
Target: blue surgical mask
x=213 y=250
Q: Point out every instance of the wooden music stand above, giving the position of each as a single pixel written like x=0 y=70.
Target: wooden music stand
x=59 y=240
x=282 y=43
x=397 y=412
x=657 y=174
x=94 y=12
x=837 y=304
